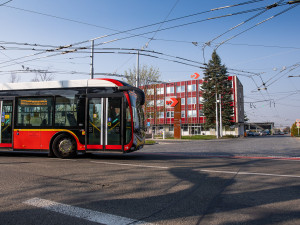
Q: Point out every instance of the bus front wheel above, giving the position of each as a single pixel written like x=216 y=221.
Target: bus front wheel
x=64 y=146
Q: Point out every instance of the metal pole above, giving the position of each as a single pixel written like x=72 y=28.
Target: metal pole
x=92 y=62
x=221 y=127
x=137 y=75
x=217 y=122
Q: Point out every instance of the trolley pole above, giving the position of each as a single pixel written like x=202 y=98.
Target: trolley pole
x=92 y=60
x=137 y=75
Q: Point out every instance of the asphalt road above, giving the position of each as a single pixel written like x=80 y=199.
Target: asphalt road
x=237 y=181
x=262 y=146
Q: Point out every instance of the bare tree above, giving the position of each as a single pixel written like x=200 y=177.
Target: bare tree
x=14 y=78
x=41 y=76
x=148 y=76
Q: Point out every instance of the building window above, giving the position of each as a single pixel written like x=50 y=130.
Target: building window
x=201 y=99
x=150 y=92
x=170 y=114
x=160 y=91
x=191 y=87
x=191 y=100
x=182 y=114
x=185 y=128
x=161 y=115
x=151 y=103
x=192 y=113
x=170 y=90
x=160 y=102
x=182 y=101
x=150 y=115
x=180 y=89
x=201 y=113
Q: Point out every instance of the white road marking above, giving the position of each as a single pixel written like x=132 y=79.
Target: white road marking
x=81 y=213
x=165 y=143
x=248 y=173
x=68 y=159
x=134 y=165
x=59 y=159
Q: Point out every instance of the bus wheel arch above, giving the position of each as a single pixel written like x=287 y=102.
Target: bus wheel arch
x=63 y=145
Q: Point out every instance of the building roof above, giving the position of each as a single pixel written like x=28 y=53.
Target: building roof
x=61 y=84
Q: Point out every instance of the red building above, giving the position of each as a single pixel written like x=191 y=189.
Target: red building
x=160 y=116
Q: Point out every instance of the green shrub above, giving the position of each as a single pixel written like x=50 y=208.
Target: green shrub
x=228 y=136
x=199 y=137
x=150 y=142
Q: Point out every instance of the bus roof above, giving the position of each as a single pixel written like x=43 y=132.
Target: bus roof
x=101 y=82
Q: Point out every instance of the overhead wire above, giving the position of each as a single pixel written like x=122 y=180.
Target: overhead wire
x=295 y=67
x=146 y=45
x=62 y=47
x=238 y=44
x=272 y=17
x=58 y=17
x=109 y=50
x=141 y=27
x=232 y=28
x=263 y=83
x=291 y=68
x=147 y=53
x=184 y=24
x=136 y=35
x=152 y=56
x=5 y=3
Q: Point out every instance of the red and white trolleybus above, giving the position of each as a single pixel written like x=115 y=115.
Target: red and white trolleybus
x=67 y=117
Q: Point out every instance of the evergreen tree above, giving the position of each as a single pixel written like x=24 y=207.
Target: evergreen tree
x=216 y=82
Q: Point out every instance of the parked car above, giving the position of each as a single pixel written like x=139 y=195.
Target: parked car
x=255 y=134
x=263 y=133
x=250 y=133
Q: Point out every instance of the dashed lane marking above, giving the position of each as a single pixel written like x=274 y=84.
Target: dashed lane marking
x=134 y=165
x=81 y=213
x=249 y=173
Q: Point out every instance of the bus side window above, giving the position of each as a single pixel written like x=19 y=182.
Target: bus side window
x=136 y=122
x=128 y=124
x=66 y=111
x=80 y=110
x=141 y=117
x=34 y=112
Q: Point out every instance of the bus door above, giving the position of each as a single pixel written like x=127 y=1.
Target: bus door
x=6 y=110
x=104 y=123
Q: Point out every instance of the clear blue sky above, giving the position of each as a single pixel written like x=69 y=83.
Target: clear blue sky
x=270 y=49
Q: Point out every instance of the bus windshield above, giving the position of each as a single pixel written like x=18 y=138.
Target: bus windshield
x=137 y=111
